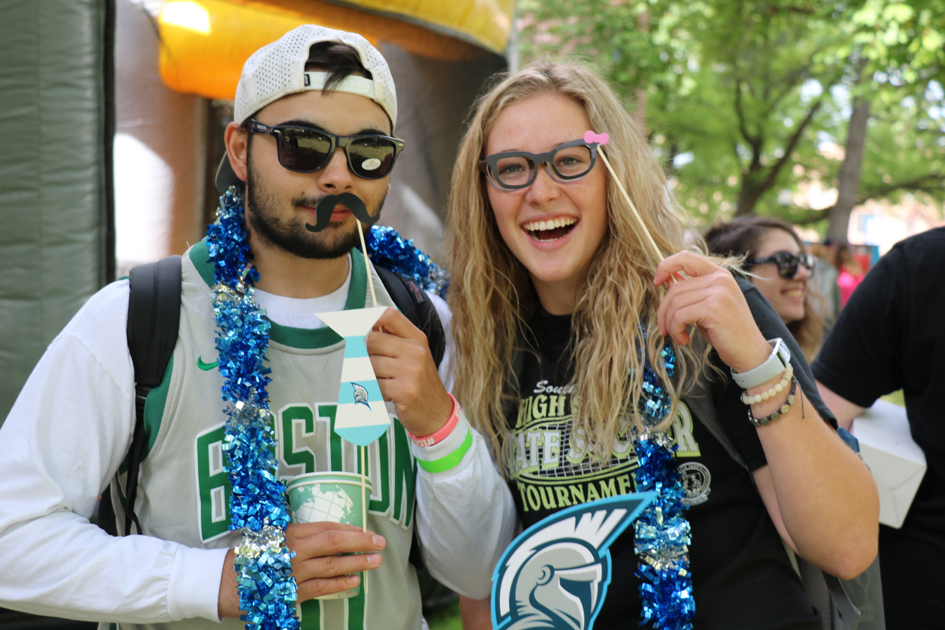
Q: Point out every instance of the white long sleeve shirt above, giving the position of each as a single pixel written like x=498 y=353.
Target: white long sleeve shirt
x=67 y=435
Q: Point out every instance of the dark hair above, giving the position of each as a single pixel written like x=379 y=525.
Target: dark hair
x=338 y=60
x=742 y=237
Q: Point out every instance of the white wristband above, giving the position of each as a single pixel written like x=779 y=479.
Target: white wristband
x=776 y=363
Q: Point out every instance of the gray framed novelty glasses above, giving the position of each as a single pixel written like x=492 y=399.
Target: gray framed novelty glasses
x=307 y=149
x=514 y=170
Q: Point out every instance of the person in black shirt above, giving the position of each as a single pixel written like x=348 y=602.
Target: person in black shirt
x=890 y=336
x=552 y=284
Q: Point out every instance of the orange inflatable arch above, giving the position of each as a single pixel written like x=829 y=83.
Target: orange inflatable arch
x=204 y=43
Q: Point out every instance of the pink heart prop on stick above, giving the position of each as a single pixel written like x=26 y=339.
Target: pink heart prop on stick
x=600 y=138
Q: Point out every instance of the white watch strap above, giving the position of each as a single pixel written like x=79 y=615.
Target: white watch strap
x=775 y=364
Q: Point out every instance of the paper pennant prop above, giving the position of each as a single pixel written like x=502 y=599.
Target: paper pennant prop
x=362 y=414
x=555 y=574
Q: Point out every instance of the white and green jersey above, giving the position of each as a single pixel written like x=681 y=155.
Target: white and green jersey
x=182 y=472
x=69 y=432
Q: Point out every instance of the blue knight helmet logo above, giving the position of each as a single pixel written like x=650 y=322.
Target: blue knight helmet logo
x=555 y=574
x=360 y=395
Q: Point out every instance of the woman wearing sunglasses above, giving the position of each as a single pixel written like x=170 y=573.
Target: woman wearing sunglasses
x=577 y=348
x=781 y=269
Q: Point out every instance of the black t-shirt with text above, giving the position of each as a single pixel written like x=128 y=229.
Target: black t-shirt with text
x=742 y=577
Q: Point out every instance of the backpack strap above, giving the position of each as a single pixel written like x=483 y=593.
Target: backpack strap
x=418 y=308
x=842 y=613
x=700 y=401
x=153 y=321
x=152 y=330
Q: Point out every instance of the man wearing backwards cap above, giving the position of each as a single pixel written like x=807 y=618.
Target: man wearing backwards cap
x=312 y=148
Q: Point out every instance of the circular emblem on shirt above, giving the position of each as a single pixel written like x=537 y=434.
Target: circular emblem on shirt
x=695 y=480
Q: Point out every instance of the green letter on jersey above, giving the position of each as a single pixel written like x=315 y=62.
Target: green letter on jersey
x=213 y=483
x=300 y=455
x=405 y=477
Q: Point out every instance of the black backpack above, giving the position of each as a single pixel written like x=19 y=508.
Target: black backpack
x=843 y=604
x=153 y=322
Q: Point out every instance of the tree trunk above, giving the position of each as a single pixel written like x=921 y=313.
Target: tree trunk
x=848 y=184
x=752 y=189
x=849 y=181
x=747 y=199
x=759 y=179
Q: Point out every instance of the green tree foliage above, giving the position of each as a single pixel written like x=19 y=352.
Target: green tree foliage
x=748 y=103
x=905 y=46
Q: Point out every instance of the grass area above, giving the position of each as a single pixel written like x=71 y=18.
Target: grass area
x=445 y=617
x=896 y=398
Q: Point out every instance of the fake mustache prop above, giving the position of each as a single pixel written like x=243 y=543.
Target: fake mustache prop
x=327 y=205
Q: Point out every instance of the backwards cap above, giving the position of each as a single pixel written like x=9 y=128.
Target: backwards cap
x=278 y=69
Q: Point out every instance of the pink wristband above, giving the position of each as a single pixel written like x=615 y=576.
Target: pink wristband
x=439 y=436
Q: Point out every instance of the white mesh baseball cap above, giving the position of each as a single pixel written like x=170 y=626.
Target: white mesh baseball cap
x=278 y=69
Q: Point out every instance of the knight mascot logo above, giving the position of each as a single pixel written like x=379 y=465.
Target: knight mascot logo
x=556 y=573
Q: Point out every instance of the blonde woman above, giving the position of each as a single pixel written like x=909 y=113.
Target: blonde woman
x=554 y=292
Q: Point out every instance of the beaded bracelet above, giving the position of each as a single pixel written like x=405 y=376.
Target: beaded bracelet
x=774 y=391
x=783 y=409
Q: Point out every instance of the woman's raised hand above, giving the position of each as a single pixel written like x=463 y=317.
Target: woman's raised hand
x=707 y=296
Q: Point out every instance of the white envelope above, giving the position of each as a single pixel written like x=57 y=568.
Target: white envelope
x=897 y=462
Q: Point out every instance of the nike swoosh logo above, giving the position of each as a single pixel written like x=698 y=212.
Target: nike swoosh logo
x=206 y=366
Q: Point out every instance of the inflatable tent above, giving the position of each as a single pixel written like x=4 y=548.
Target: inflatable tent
x=112 y=111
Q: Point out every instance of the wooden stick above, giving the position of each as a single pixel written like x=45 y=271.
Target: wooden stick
x=364 y=503
x=658 y=257
x=364 y=506
x=366 y=266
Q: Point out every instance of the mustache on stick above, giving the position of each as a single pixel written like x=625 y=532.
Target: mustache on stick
x=352 y=202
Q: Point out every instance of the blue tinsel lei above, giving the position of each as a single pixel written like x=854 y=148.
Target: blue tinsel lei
x=388 y=249
x=662 y=531
x=268 y=591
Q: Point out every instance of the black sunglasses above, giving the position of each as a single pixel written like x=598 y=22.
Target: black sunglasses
x=514 y=170
x=787 y=263
x=306 y=149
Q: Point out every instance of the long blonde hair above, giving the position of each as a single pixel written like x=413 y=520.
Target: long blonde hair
x=491 y=295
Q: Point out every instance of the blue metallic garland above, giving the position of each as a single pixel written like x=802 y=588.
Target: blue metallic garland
x=268 y=591
x=662 y=531
x=257 y=503
x=388 y=249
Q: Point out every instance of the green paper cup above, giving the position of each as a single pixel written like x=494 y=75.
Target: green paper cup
x=329 y=496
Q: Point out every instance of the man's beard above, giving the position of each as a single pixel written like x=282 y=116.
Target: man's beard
x=261 y=209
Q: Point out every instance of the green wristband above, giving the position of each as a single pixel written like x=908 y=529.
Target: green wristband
x=450 y=461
